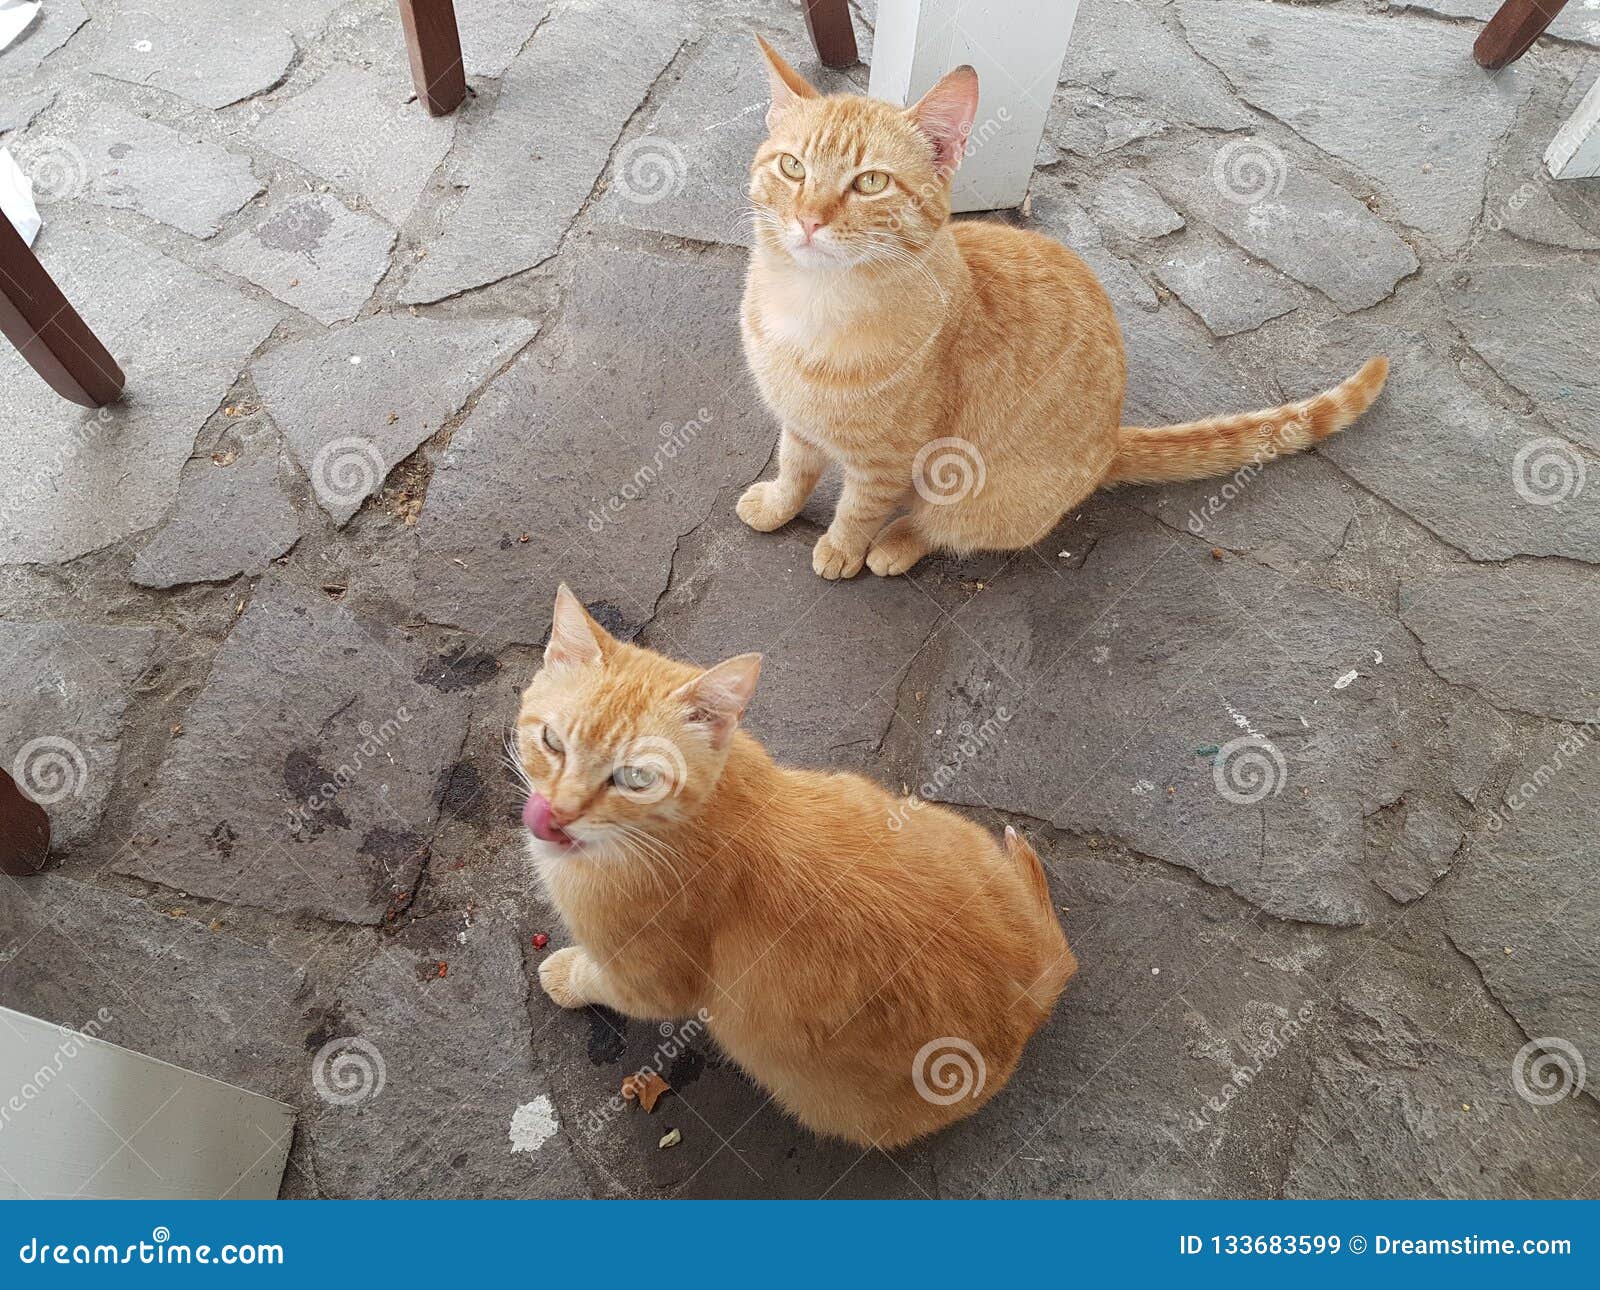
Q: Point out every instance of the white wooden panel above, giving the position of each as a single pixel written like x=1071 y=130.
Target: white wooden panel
x=81 y=1117
x=1017 y=47
x=1575 y=151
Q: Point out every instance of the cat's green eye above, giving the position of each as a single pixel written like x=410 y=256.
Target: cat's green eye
x=634 y=779
x=791 y=166
x=869 y=182
x=552 y=741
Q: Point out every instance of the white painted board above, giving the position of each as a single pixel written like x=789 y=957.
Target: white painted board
x=1575 y=151
x=80 y=1117
x=1017 y=48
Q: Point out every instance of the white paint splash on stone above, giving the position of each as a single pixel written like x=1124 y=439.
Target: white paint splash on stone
x=1345 y=680
x=534 y=1124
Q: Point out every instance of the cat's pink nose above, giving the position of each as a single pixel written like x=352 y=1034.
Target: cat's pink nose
x=808 y=226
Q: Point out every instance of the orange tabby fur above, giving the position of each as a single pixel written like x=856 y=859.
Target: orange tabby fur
x=875 y=327
x=828 y=947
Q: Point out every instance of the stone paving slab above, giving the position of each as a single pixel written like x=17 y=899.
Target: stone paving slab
x=212 y=57
x=356 y=129
x=315 y=798
x=140 y=165
x=593 y=416
x=232 y=517
x=528 y=165
x=81 y=480
x=1294 y=219
x=1146 y=710
x=54 y=26
x=355 y=403
x=69 y=949
x=1116 y=44
x=1491 y=483
x=1527 y=639
x=414 y=1117
x=1578 y=23
x=1230 y=292
x=62 y=715
x=1548 y=355
x=1406 y=108
x=314 y=253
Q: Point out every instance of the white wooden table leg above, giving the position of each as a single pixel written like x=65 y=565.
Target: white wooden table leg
x=1575 y=151
x=1017 y=47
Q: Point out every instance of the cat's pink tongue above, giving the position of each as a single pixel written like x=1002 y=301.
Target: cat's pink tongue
x=536 y=815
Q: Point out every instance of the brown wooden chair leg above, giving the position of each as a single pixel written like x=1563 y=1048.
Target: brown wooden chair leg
x=36 y=318
x=1513 y=29
x=24 y=831
x=434 y=44
x=832 y=33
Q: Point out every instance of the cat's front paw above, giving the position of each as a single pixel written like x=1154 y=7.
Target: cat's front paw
x=558 y=975
x=763 y=507
x=832 y=559
x=897 y=547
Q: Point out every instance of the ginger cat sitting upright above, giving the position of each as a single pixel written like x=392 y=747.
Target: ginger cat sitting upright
x=877 y=969
x=969 y=374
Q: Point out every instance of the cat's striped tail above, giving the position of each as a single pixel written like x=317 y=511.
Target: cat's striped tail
x=1222 y=445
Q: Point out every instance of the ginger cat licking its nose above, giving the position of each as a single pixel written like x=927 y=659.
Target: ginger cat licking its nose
x=969 y=375
x=877 y=968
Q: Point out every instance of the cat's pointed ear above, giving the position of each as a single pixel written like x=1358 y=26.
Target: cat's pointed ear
x=945 y=113
x=718 y=697
x=787 y=84
x=575 y=638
